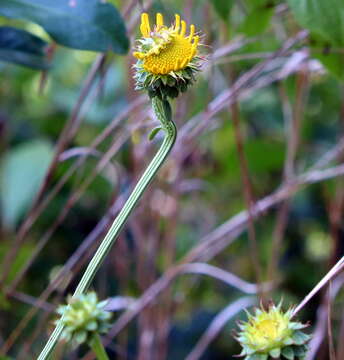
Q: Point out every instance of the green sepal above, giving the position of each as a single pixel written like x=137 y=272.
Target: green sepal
x=275 y=353
x=92 y=326
x=171 y=81
x=164 y=79
x=288 y=341
x=288 y=353
x=297 y=326
x=80 y=337
x=165 y=86
x=249 y=351
x=257 y=357
x=300 y=351
x=300 y=338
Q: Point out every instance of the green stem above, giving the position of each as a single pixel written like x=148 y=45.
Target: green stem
x=98 y=348
x=163 y=112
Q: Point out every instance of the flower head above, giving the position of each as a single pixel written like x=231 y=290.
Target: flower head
x=167 y=57
x=82 y=317
x=272 y=334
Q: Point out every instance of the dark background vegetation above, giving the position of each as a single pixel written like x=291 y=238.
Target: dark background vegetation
x=267 y=109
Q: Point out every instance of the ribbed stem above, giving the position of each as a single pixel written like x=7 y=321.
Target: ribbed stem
x=163 y=113
x=98 y=348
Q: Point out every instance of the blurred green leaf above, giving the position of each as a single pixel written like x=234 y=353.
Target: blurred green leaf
x=22 y=172
x=22 y=257
x=324 y=18
x=257 y=21
x=259 y=3
x=256 y=151
x=20 y=47
x=80 y=24
x=332 y=61
x=223 y=8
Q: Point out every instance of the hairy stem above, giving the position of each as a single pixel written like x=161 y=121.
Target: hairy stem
x=163 y=113
x=98 y=348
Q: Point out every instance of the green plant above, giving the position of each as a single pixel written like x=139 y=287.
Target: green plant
x=162 y=109
x=271 y=334
x=83 y=319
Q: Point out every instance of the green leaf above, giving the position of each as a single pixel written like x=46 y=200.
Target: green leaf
x=256 y=151
x=223 y=8
x=20 y=47
x=260 y=3
x=23 y=255
x=82 y=24
x=324 y=18
x=22 y=172
x=257 y=21
x=332 y=61
x=154 y=132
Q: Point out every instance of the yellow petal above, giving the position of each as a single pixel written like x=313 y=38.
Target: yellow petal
x=182 y=32
x=159 y=20
x=177 y=24
x=143 y=29
x=145 y=26
x=192 y=32
x=138 y=55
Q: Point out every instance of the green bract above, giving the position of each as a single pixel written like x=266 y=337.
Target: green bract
x=83 y=317
x=272 y=334
x=169 y=85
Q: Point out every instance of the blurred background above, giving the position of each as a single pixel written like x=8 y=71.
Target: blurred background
x=245 y=198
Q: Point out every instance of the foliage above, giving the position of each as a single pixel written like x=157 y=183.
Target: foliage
x=83 y=24
x=21 y=47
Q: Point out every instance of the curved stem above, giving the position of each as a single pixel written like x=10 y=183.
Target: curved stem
x=98 y=348
x=163 y=113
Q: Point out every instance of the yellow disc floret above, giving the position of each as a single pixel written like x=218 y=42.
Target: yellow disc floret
x=164 y=50
x=268 y=329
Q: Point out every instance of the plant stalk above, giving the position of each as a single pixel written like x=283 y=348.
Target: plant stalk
x=98 y=347
x=163 y=113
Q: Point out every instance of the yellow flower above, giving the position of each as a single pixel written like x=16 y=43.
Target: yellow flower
x=166 y=49
x=83 y=317
x=167 y=59
x=267 y=329
x=271 y=334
